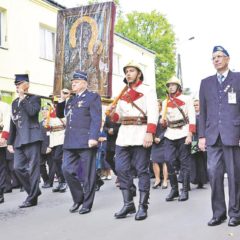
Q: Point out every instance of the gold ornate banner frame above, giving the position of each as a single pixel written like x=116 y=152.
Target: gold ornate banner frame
x=85 y=42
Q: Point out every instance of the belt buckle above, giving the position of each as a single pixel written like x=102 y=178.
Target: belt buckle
x=139 y=121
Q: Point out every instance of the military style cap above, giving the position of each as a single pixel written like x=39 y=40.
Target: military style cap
x=21 y=78
x=221 y=49
x=174 y=80
x=79 y=75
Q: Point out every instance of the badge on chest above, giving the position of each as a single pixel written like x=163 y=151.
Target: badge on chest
x=232 y=98
x=80 y=103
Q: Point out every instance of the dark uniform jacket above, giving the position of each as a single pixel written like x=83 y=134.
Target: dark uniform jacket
x=45 y=142
x=24 y=125
x=84 y=116
x=217 y=116
x=111 y=139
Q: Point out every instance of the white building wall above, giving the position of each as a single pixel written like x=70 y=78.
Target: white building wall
x=21 y=52
x=126 y=52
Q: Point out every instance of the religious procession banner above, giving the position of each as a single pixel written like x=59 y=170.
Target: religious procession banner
x=85 y=43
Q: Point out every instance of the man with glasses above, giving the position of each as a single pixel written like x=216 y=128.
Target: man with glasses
x=25 y=139
x=219 y=134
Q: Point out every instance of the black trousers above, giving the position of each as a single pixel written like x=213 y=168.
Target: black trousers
x=177 y=150
x=2 y=167
x=47 y=176
x=110 y=160
x=87 y=158
x=129 y=158
x=57 y=158
x=27 y=167
x=221 y=159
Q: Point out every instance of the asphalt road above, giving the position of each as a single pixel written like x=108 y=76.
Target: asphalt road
x=51 y=220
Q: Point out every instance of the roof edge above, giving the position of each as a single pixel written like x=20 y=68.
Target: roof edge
x=135 y=43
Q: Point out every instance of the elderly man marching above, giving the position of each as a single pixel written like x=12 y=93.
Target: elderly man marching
x=4 y=132
x=178 y=116
x=25 y=139
x=137 y=112
x=83 y=114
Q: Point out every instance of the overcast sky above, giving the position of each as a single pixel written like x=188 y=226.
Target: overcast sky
x=211 y=22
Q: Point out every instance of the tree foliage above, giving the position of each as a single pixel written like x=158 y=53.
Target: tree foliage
x=153 y=31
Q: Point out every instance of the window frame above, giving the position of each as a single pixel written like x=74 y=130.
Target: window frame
x=117 y=60
x=44 y=46
x=3 y=28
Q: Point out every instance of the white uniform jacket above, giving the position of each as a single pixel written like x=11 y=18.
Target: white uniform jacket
x=57 y=137
x=146 y=99
x=174 y=115
x=4 y=120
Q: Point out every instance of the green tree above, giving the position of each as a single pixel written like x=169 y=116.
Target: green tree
x=153 y=31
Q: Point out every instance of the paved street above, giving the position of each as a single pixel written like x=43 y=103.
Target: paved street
x=51 y=220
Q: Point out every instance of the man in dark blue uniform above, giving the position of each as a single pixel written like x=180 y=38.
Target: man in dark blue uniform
x=219 y=130
x=25 y=140
x=83 y=114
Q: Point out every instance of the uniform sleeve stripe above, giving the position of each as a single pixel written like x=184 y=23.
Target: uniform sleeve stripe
x=151 y=128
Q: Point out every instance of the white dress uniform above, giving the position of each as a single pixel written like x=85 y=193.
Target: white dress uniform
x=133 y=135
x=174 y=115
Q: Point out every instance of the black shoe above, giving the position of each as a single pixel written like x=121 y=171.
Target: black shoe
x=63 y=187
x=99 y=183
x=1 y=199
x=84 y=210
x=75 y=207
x=217 y=221
x=57 y=188
x=200 y=186
x=8 y=190
x=172 y=195
x=46 y=185
x=126 y=209
x=141 y=213
x=183 y=196
x=233 y=222
x=27 y=204
x=156 y=185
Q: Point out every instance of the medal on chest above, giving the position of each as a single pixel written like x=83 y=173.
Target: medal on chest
x=80 y=103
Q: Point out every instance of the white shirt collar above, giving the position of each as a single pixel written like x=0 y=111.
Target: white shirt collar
x=223 y=74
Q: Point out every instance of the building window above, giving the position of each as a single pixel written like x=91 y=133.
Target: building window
x=3 y=35
x=47 y=44
x=116 y=64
